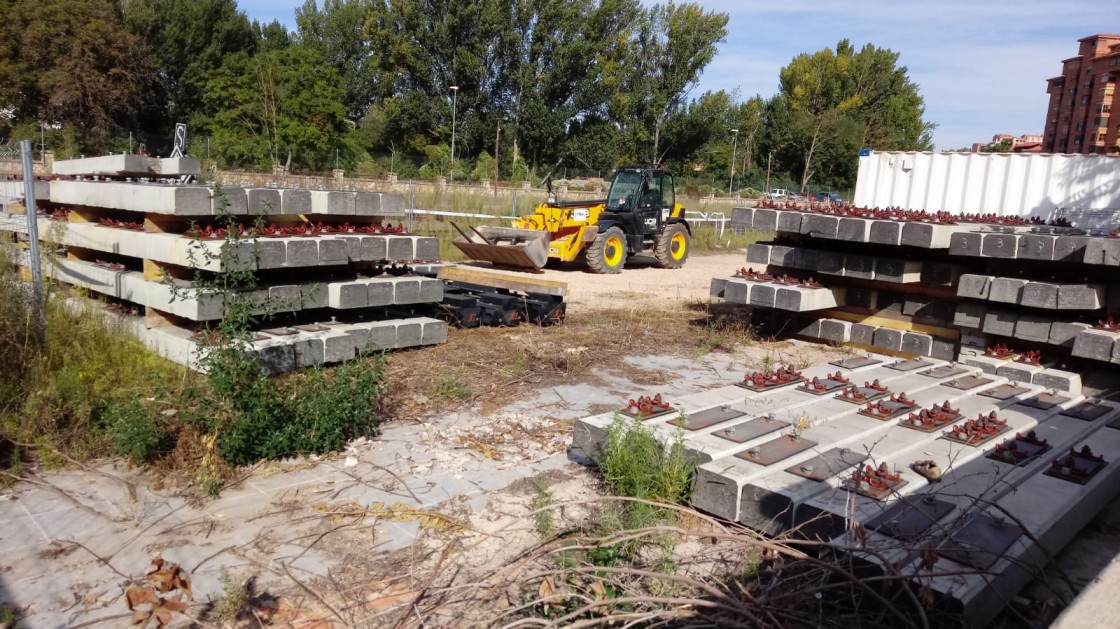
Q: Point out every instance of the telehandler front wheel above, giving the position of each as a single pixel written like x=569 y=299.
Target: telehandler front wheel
x=671 y=249
x=608 y=253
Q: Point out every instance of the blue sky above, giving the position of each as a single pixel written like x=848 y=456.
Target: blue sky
x=981 y=65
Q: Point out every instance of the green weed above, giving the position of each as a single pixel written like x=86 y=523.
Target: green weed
x=451 y=386
x=542 y=500
x=233 y=599
x=136 y=432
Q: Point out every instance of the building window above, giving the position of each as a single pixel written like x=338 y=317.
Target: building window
x=1085 y=100
x=1097 y=121
x=1073 y=90
x=1077 y=141
x=1100 y=136
x=1080 y=126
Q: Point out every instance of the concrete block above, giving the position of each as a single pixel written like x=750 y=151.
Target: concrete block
x=830 y=263
x=820 y=226
x=431 y=290
x=885 y=232
x=1000 y=245
x=406 y=290
x=385 y=204
x=781 y=255
x=718 y=286
x=347 y=295
x=1070 y=248
x=917 y=343
x=965 y=244
x=738 y=291
x=1017 y=372
x=888 y=338
x=410 y=332
x=1095 y=344
x=942 y=349
x=986 y=364
x=1036 y=247
x=295 y=201
x=742 y=218
x=763 y=295
x=360 y=337
x=380 y=291
x=889 y=300
x=353 y=247
x=1082 y=296
x=860 y=297
x=263 y=201
x=800 y=299
x=427 y=248
x=1063 y=333
x=758 y=253
x=790 y=221
x=853 y=229
x=898 y=271
x=935 y=311
x=175 y=166
x=302 y=252
x=333 y=251
x=382 y=335
x=806 y=259
x=766 y=220
x=230 y=200
x=861 y=267
x=401 y=248
x=974 y=286
x=973 y=339
x=1000 y=322
x=1058 y=379
x=969 y=314
x=1103 y=251
x=338 y=346
x=367 y=203
x=940 y=273
x=1007 y=290
x=104 y=165
x=313 y=296
x=1033 y=327
x=926 y=235
x=276 y=357
x=1040 y=295
x=811 y=328
x=336 y=202
x=433 y=331
x=270 y=254
x=374 y=248
x=285 y=297
x=863 y=334
x=135 y=197
x=836 y=330
x=309 y=352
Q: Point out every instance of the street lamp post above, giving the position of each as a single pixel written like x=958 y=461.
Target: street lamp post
x=454 y=95
x=497 y=155
x=734 y=146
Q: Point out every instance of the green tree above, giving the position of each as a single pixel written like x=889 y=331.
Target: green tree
x=190 y=39
x=337 y=32
x=1003 y=146
x=67 y=63
x=674 y=43
x=279 y=107
x=839 y=101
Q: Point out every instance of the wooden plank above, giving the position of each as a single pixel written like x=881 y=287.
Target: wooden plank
x=878 y=350
x=502 y=279
x=904 y=323
x=153 y=270
x=83 y=215
x=159 y=319
x=15 y=208
x=25 y=273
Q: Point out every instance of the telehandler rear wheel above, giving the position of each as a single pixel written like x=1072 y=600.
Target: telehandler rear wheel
x=671 y=249
x=608 y=253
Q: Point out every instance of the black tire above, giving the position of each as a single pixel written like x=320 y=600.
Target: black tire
x=672 y=246
x=608 y=253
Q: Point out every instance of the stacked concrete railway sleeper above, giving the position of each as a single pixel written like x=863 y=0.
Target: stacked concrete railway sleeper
x=331 y=263
x=948 y=441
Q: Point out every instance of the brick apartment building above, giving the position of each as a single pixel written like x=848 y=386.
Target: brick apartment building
x=1026 y=143
x=1081 y=99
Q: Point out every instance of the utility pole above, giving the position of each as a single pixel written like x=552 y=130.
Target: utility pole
x=497 y=155
x=734 y=145
x=768 y=158
x=32 y=212
x=454 y=102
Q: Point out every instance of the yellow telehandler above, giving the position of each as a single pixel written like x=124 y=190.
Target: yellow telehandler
x=640 y=214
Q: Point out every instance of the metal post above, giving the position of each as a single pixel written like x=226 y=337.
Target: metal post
x=497 y=155
x=768 y=159
x=734 y=145
x=33 y=235
x=454 y=102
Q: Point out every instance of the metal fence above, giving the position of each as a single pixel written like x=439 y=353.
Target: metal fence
x=17 y=188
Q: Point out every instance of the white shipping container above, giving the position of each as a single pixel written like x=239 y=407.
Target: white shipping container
x=1019 y=184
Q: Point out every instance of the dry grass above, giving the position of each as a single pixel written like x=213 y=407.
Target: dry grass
x=499 y=365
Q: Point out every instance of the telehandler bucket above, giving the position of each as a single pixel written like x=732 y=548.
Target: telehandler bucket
x=504 y=246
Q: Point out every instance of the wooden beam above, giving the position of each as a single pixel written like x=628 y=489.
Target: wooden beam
x=82 y=215
x=15 y=208
x=153 y=271
x=880 y=350
x=903 y=323
x=503 y=279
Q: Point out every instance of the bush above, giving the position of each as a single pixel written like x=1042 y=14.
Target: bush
x=635 y=463
x=136 y=433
